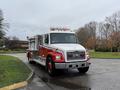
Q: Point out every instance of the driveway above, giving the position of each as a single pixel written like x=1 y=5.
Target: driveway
x=103 y=75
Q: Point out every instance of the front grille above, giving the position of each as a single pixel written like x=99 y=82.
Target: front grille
x=75 y=55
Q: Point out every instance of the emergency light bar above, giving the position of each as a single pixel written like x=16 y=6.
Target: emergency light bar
x=59 y=29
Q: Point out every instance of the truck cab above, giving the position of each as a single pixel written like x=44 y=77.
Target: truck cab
x=58 y=49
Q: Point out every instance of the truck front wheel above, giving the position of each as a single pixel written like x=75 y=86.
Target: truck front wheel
x=50 y=66
x=83 y=70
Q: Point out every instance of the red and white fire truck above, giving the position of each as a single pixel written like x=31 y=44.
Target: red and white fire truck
x=58 y=49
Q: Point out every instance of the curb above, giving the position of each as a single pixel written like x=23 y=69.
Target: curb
x=30 y=77
x=15 y=86
x=20 y=84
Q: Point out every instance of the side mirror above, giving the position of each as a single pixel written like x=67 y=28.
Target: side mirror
x=46 y=41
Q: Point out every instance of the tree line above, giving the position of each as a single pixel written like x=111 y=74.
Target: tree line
x=2 y=32
x=7 y=42
x=101 y=36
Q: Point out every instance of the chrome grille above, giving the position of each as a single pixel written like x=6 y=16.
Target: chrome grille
x=75 y=55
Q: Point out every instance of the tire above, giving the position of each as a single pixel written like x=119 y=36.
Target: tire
x=83 y=70
x=50 y=66
x=30 y=61
x=29 y=58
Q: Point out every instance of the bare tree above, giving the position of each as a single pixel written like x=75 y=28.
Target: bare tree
x=104 y=35
x=91 y=28
x=82 y=35
x=87 y=34
x=114 y=22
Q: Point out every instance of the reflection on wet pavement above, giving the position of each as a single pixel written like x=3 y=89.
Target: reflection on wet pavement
x=103 y=75
x=65 y=78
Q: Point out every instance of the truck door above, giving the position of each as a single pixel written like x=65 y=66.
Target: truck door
x=43 y=48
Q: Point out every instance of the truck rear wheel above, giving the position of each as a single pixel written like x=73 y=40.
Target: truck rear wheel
x=83 y=70
x=50 y=66
x=30 y=61
x=29 y=57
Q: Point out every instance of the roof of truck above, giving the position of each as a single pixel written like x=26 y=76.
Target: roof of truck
x=60 y=30
x=55 y=30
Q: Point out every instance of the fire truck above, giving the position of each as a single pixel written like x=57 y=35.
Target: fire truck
x=58 y=49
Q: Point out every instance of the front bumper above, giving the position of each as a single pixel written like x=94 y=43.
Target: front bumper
x=71 y=65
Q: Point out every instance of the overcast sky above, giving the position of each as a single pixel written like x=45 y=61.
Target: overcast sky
x=30 y=17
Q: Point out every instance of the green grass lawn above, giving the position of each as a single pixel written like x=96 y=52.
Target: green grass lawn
x=12 y=70
x=111 y=55
x=12 y=51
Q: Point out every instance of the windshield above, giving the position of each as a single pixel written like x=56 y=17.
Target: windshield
x=63 y=38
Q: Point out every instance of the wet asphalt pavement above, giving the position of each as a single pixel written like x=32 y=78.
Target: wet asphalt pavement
x=104 y=74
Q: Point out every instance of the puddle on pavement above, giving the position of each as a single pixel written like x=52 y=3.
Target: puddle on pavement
x=45 y=79
x=65 y=84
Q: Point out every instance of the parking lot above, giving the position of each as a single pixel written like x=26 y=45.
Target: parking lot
x=102 y=75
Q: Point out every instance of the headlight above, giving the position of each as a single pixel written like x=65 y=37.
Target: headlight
x=58 y=57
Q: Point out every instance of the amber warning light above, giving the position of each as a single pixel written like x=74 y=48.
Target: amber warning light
x=59 y=29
